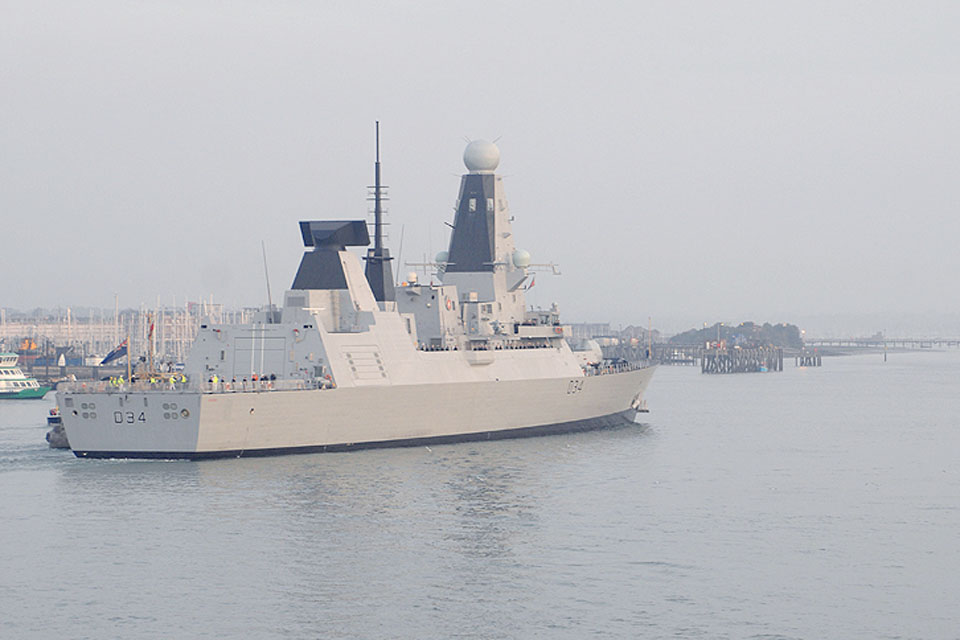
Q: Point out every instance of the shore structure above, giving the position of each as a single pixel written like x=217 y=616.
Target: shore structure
x=59 y=345
x=345 y=365
x=735 y=360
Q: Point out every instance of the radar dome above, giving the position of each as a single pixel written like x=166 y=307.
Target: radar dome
x=412 y=277
x=443 y=256
x=521 y=259
x=481 y=156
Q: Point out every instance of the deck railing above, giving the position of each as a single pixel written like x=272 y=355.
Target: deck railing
x=607 y=369
x=221 y=386
x=256 y=386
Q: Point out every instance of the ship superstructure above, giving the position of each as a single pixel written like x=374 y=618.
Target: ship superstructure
x=350 y=362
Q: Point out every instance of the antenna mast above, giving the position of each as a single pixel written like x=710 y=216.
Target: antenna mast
x=378 y=271
x=377 y=208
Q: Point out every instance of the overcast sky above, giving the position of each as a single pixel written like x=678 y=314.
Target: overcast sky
x=680 y=160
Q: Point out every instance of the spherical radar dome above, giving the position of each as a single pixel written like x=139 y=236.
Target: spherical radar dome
x=521 y=259
x=481 y=156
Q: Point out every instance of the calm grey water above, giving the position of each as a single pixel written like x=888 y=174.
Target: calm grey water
x=813 y=503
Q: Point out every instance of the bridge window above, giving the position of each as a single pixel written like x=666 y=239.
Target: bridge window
x=472 y=204
x=490 y=204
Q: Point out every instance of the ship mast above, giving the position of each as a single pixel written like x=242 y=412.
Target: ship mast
x=379 y=273
x=377 y=201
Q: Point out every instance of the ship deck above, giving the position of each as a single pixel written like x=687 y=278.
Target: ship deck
x=258 y=386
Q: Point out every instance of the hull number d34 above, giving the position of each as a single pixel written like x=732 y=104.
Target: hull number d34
x=130 y=417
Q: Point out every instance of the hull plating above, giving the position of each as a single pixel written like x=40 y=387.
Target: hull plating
x=219 y=425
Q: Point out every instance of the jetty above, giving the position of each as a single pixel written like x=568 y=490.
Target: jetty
x=808 y=358
x=881 y=342
x=737 y=360
x=659 y=352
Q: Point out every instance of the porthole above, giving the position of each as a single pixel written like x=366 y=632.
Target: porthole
x=93 y=414
x=166 y=414
x=166 y=405
x=184 y=413
x=83 y=405
x=173 y=405
x=173 y=415
x=85 y=414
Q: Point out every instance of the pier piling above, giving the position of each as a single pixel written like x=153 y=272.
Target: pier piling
x=807 y=358
x=742 y=360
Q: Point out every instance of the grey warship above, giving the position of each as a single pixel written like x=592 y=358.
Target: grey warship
x=351 y=360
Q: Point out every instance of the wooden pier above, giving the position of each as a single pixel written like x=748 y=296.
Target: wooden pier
x=742 y=360
x=807 y=358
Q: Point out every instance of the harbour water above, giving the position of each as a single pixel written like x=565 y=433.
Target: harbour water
x=812 y=503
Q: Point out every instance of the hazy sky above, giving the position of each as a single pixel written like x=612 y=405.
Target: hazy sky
x=723 y=160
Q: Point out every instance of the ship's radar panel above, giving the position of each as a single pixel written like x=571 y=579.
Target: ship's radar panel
x=335 y=234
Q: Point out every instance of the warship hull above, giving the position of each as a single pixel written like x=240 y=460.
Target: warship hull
x=211 y=425
x=353 y=361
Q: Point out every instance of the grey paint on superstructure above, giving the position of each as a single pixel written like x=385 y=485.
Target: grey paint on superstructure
x=380 y=274
x=434 y=310
x=472 y=241
x=482 y=262
x=321 y=268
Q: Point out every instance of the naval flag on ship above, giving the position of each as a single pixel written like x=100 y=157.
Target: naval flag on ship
x=118 y=352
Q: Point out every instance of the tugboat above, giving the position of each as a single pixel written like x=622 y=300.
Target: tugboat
x=16 y=386
x=352 y=360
